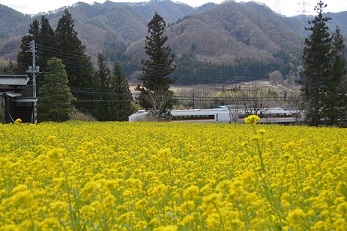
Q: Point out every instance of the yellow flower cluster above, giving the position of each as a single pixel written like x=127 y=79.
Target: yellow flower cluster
x=251 y=119
x=18 y=121
x=172 y=176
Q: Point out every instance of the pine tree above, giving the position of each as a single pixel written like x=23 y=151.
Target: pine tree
x=335 y=99
x=154 y=92
x=317 y=69
x=55 y=98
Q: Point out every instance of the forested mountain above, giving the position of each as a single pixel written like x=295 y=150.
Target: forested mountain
x=13 y=25
x=337 y=19
x=12 y=22
x=237 y=39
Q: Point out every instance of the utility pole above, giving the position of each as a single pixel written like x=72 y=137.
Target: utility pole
x=303 y=12
x=34 y=71
x=278 y=6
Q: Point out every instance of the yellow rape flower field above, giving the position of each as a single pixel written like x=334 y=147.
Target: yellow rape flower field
x=172 y=176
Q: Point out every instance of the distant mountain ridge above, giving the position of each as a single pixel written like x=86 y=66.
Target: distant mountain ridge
x=216 y=33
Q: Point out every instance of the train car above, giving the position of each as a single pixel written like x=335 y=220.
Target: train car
x=280 y=115
x=223 y=114
x=200 y=115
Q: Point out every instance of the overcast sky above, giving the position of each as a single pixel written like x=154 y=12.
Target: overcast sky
x=285 y=7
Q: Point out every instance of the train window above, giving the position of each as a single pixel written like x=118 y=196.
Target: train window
x=193 y=117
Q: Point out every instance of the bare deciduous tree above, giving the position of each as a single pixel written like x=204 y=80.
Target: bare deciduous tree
x=158 y=103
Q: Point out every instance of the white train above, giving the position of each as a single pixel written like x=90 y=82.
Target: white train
x=226 y=115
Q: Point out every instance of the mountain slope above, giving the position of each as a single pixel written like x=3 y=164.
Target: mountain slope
x=12 y=23
x=213 y=33
x=226 y=32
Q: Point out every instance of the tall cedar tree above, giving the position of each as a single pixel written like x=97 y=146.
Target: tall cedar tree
x=103 y=76
x=44 y=37
x=114 y=94
x=78 y=65
x=154 y=92
x=317 y=65
x=45 y=45
x=103 y=82
x=120 y=86
x=55 y=98
x=24 y=58
x=335 y=100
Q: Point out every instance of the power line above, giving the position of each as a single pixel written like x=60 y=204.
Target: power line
x=303 y=11
x=278 y=6
x=34 y=70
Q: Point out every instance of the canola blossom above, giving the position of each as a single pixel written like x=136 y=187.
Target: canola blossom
x=252 y=119
x=172 y=176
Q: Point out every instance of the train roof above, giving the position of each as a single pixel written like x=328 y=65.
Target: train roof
x=198 y=111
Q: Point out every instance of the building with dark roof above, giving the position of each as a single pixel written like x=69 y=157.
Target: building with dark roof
x=19 y=102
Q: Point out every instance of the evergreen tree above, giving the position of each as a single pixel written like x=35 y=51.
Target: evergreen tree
x=103 y=76
x=317 y=65
x=114 y=94
x=45 y=44
x=78 y=65
x=24 y=58
x=120 y=86
x=44 y=37
x=154 y=92
x=55 y=98
x=103 y=82
x=335 y=99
